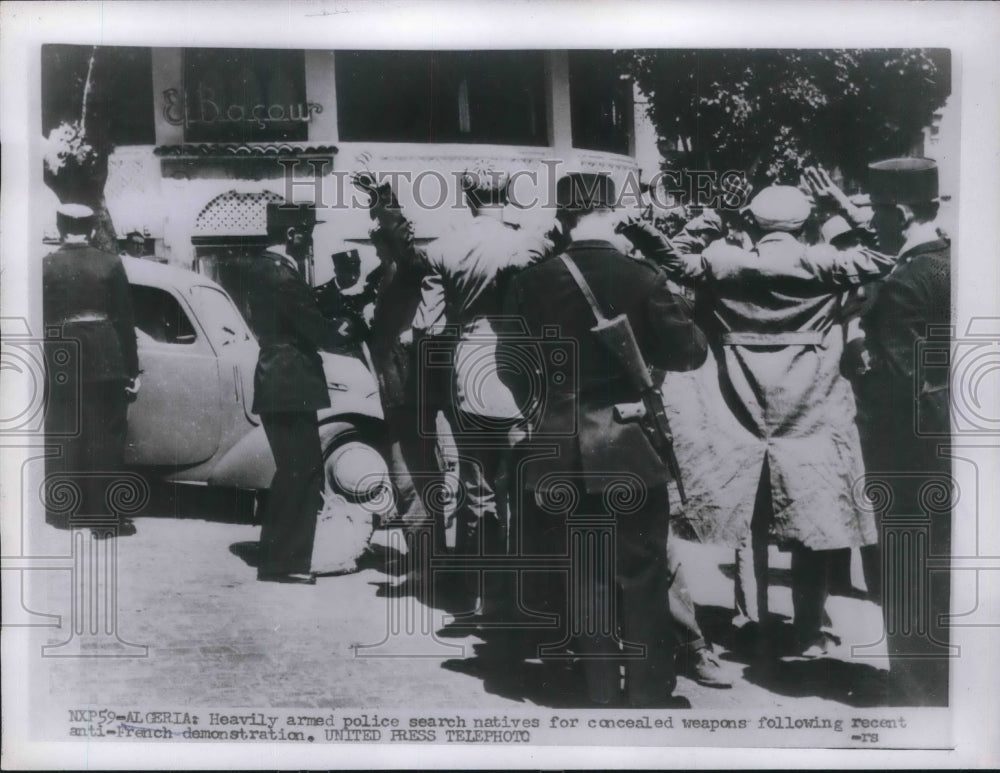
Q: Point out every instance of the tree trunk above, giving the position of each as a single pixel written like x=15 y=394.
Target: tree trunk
x=85 y=185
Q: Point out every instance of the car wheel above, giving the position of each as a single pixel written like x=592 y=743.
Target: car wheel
x=355 y=488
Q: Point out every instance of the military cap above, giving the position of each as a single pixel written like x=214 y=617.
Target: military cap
x=75 y=219
x=585 y=191
x=903 y=181
x=346 y=258
x=282 y=215
x=780 y=208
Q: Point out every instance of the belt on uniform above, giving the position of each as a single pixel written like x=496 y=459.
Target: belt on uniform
x=86 y=317
x=790 y=338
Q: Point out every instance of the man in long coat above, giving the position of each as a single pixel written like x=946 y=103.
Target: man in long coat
x=774 y=444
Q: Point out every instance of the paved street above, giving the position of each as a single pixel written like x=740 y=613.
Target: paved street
x=216 y=637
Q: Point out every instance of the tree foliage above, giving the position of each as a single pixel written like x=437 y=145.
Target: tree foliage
x=82 y=110
x=770 y=112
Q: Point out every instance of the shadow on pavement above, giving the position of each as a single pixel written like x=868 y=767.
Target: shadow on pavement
x=206 y=503
x=383 y=558
x=378 y=557
x=854 y=684
x=247 y=552
x=501 y=663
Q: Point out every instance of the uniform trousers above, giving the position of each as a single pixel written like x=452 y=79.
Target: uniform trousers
x=413 y=465
x=614 y=602
x=482 y=512
x=90 y=432
x=288 y=527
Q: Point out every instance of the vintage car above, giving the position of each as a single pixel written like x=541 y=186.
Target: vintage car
x=193 y=423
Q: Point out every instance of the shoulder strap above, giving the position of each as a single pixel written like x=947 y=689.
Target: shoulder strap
x=581 y=282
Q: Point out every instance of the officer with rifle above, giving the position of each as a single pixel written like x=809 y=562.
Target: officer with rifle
x=598 y=429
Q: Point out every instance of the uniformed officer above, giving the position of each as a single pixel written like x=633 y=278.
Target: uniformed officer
x=289 y=387
x=905 y=407
x=578 y=451
x=85 y=294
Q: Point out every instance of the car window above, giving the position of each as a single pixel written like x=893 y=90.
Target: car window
x=160 y=316
x=219 y=316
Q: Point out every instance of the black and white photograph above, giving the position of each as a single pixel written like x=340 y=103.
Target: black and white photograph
x=386 y=387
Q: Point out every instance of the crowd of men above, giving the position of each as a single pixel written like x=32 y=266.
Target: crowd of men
x=784 y=354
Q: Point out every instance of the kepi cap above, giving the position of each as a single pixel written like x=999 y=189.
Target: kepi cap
x=780 y=208
x=75 y=218
x=346 y=258
x=903 y=181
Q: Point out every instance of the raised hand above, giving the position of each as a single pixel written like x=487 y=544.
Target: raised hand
x=817 y=181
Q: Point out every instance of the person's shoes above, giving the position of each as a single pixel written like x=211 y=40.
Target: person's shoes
x=703 y=667
x=294 y=578
x=819 y=646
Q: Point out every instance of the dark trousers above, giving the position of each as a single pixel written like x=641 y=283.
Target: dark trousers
x=413 y=465
x=91 y=436
x=811 y=573
x=482 y=511
x=614 y=603
x=289 y=520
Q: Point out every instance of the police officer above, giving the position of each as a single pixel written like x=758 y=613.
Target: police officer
x=85 y=294
x=906 y=418
x=576 y=444
x=289 y=387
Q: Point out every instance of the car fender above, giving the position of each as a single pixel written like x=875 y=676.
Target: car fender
x=249 y=464
x=352 y=387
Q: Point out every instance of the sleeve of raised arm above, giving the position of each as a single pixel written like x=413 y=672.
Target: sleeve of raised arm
x=844 y=268
x=429 y=317
x=675 y=341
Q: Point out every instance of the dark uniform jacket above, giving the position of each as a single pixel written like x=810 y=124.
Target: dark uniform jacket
x=398 y=299
x=85 y=291
x=291 y=329
x=576 y=411
x=898 y=396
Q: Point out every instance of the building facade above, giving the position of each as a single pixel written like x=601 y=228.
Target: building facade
x=228 y=130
